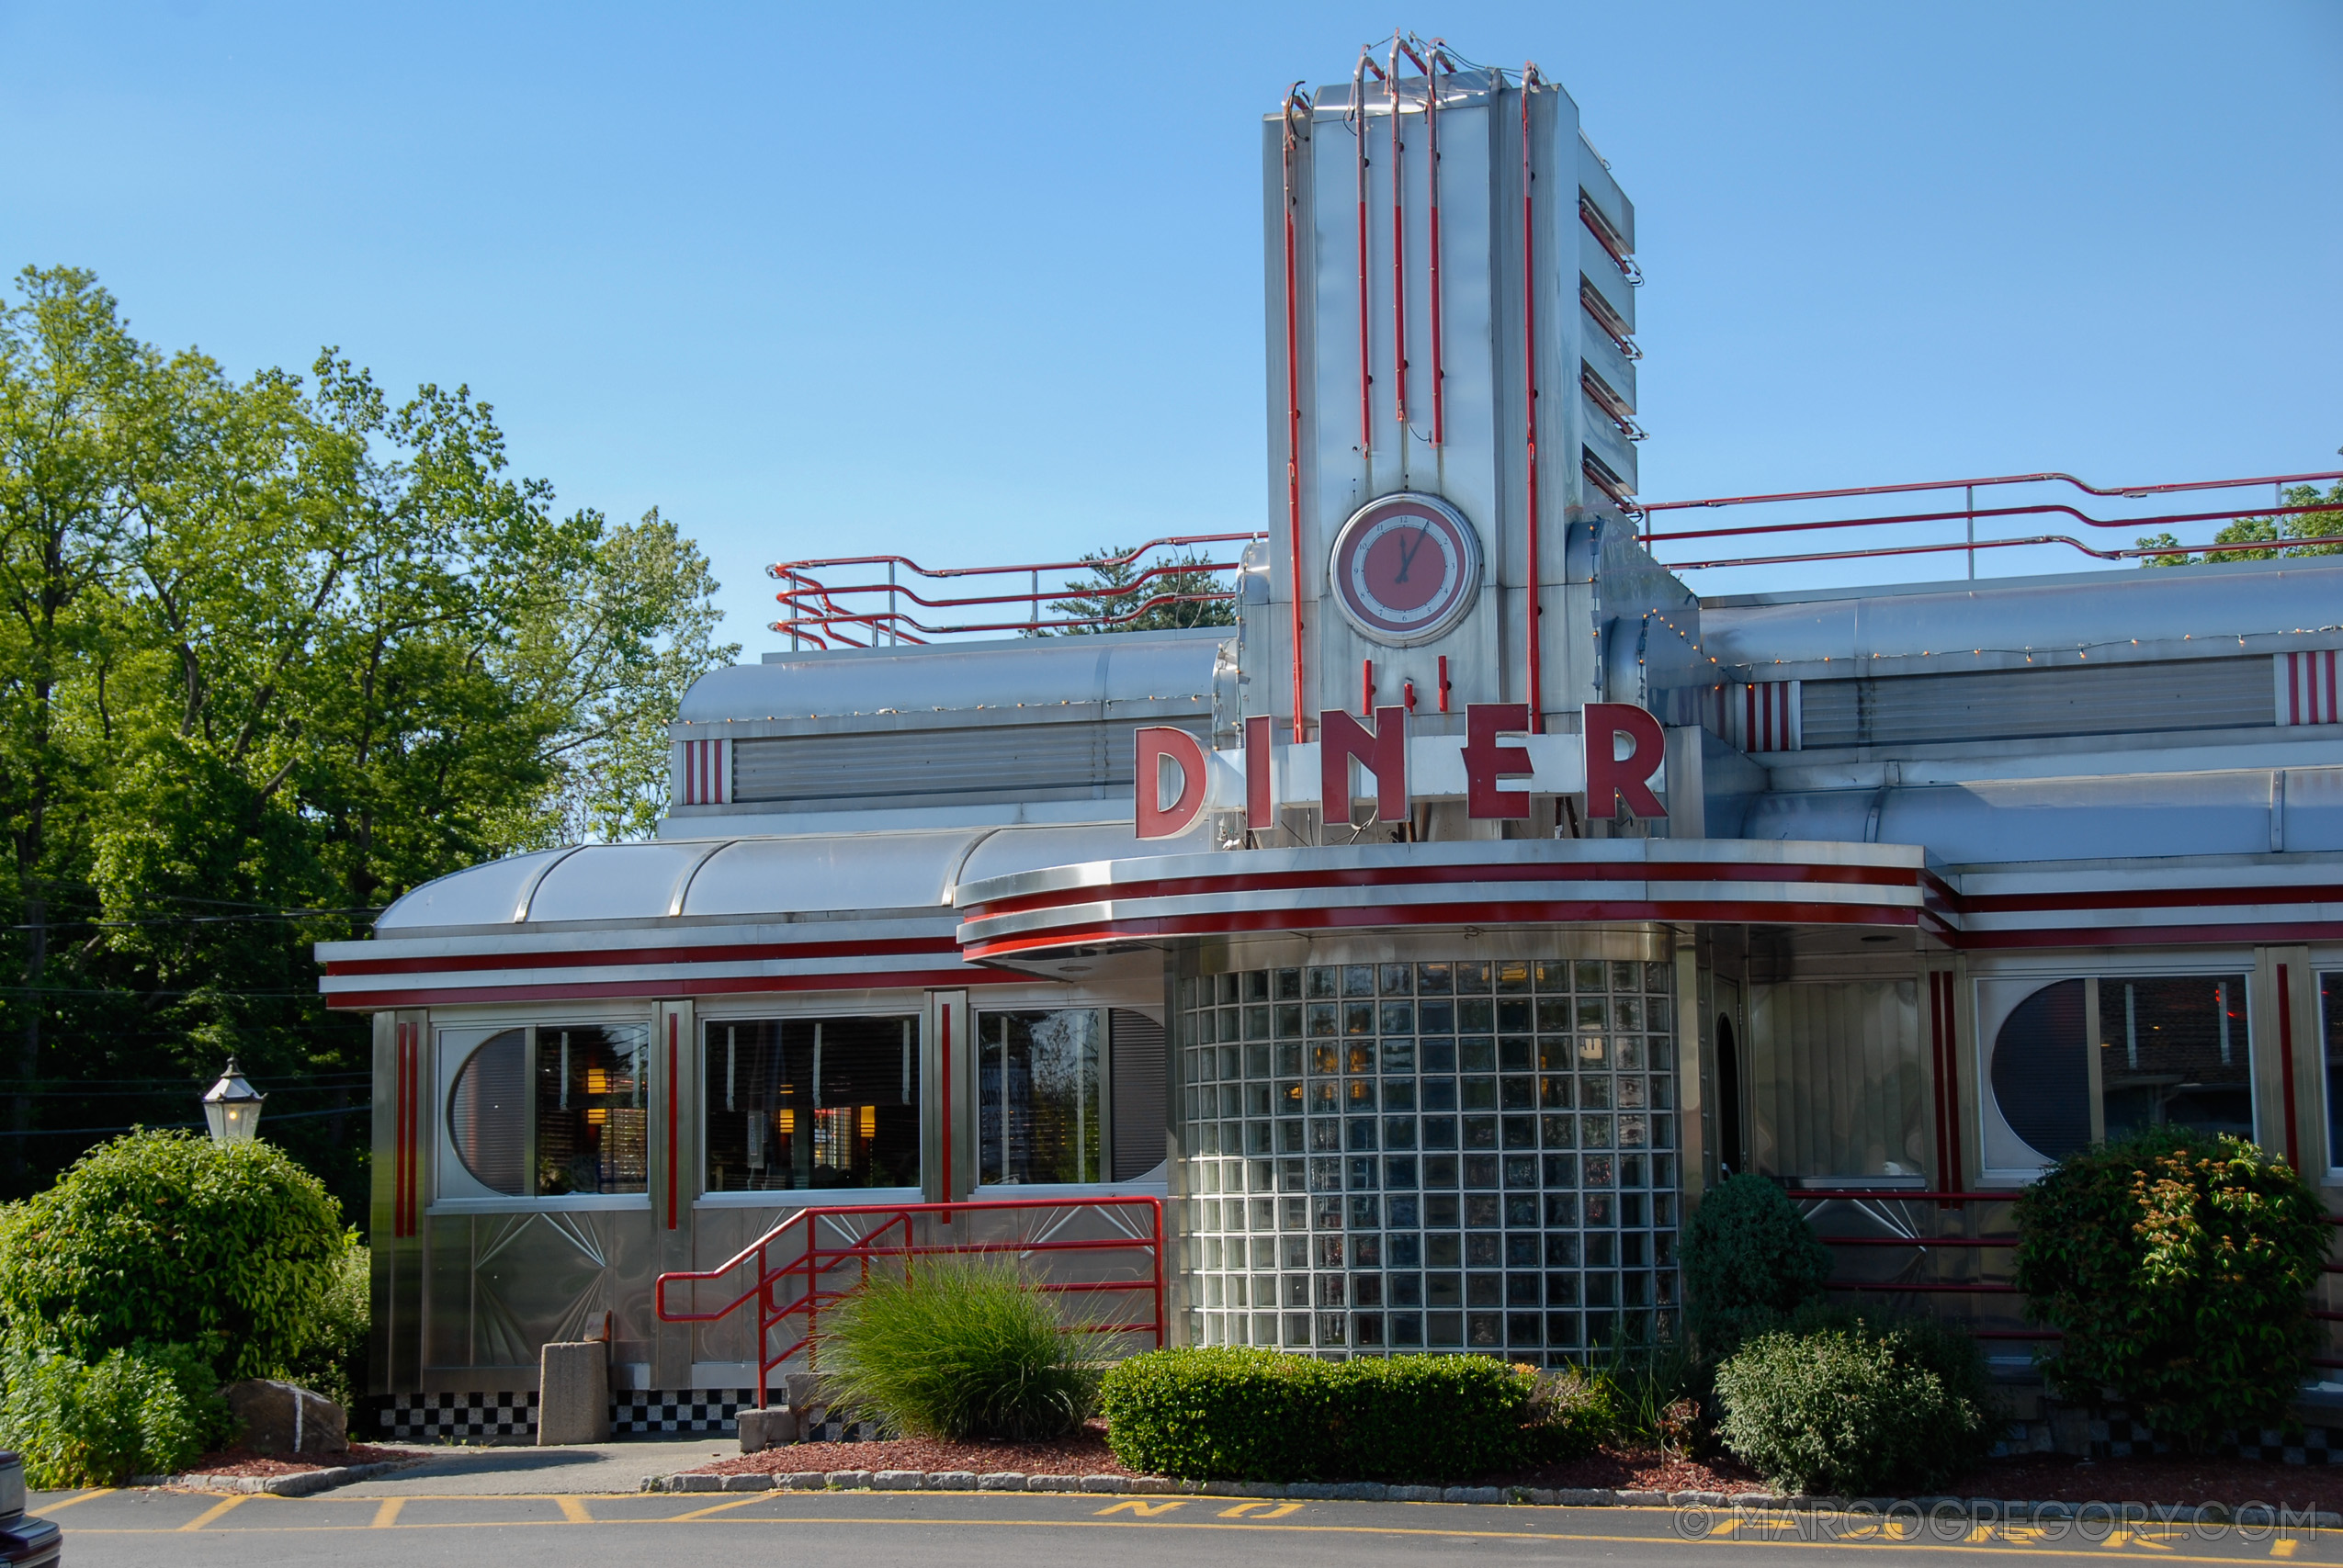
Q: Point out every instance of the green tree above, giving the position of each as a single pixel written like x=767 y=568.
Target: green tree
x=2326 y=523
x=1114 y=590
x=273 y=651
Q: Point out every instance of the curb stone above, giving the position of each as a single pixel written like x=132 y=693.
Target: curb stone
x=301 y=1484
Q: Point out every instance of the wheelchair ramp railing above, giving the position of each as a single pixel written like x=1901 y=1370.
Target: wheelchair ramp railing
x=1106 y=1253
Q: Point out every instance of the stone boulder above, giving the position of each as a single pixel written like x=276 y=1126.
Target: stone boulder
x=279 y=1418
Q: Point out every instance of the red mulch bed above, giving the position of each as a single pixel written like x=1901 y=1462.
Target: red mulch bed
x=1084 y=1454
x=244 y=1462
x=1637 y=1470
x=2036 y=1478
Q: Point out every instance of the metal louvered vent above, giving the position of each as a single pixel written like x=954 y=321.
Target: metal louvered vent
x=912 y=767
x=1135 y=1069
x=2012 y=705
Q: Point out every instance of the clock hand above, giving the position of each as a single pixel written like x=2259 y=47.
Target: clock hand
x=1407 y=556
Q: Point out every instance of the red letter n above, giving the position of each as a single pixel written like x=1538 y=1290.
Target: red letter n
x=1382 y=751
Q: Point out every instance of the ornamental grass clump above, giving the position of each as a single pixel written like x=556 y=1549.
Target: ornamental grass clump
x=2178 y=1269
x=960 y=1347
x=1842 y=1403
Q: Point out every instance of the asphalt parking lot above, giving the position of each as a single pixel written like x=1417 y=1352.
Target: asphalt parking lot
x=402 y=1528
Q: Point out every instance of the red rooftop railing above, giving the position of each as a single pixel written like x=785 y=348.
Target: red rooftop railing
x=868 y=611
x=1901 y=524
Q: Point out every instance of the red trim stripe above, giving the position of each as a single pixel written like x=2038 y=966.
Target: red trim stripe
x=2286 y=1062
x=1434 y=875
x=673 y=1084
x=1474 y=914
x=597 y=958
x=667 y=985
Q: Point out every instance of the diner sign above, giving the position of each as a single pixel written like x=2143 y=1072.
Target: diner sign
x=1494 y=767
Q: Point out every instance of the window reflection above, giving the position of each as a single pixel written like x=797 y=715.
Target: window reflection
x=548 y=1110
x=1039 y=1080
x=801 y=1103
x=2173 y=1051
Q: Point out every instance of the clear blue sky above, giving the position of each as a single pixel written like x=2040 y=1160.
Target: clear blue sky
x=981 y=283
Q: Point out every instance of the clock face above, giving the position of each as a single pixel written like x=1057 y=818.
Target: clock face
x=1405 y=568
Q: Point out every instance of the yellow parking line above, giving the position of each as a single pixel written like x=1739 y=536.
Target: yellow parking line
x=225 y=1505
x=388 y=1515
x=741 y=1502
x=573 y=1510
x=80 y=1498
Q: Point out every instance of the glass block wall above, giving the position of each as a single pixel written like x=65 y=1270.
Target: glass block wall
x=1452 y=1155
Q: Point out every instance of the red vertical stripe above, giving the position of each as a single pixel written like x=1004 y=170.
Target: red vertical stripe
x=943 y=1055
x=2286 y=1064
x=671 y=1086
x=2294 y=688
x=2332 y=712
x=399 y=1135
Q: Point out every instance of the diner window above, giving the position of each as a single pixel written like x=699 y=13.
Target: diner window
x=1039 y=1076
x=541 y=1112
x=2173 y=1051
x=799 y=1103
x=2084 y=1061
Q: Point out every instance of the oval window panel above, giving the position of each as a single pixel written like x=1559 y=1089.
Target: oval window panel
x=488 y=1114
x=2042 y=1074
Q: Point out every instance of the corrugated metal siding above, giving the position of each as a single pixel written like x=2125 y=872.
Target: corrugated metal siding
x=1834 y=1071
x=2010 y=704
x=1023 y=761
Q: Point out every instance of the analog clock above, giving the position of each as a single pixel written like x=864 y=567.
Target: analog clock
x=1405 y=568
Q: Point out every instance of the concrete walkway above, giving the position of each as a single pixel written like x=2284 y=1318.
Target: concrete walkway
x=581 y=1469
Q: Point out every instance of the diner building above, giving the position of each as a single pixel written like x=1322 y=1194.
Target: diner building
x=1430 y=937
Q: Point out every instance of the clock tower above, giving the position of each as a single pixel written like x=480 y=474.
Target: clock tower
x=1452 y=367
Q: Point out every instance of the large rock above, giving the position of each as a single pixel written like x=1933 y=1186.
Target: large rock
x=279 y=1418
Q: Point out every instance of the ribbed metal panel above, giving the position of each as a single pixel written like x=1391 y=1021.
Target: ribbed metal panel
x=1025 y=762
x=2009 y=705
x=1136 y=1068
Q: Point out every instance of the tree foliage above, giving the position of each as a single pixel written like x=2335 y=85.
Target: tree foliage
x=268 y=647
x=2325 y=523
x=2178 y=1269
x=1114 y=594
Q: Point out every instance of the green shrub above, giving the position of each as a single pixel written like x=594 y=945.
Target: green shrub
x=158 y=1237
x=1571 y=1414
x=1749 y=1260
x=144 y=1412
x=332 y=1360
x=1857 y=1407
x=2178 y=1269
x=1233 y=1414
x=965 y=1347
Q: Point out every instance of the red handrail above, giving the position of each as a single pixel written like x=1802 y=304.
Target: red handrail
x=892 y=1234
x=1969 y=1287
